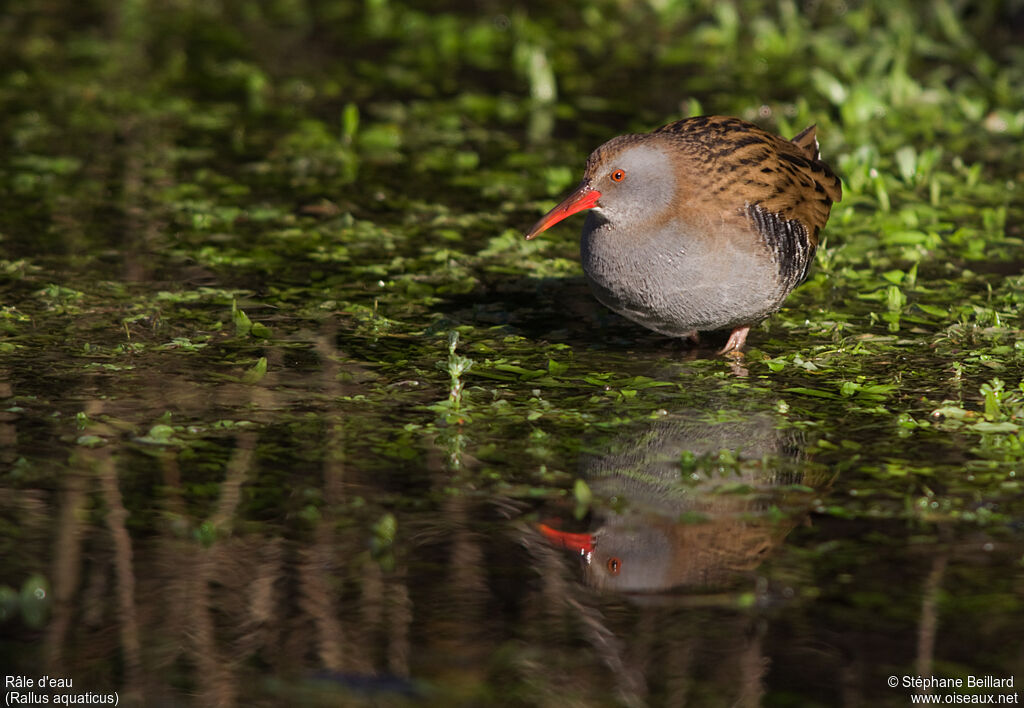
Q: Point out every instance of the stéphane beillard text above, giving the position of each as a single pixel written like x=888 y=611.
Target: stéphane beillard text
x=927 y=682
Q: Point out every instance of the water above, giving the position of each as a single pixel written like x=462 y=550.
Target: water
x=256 y=569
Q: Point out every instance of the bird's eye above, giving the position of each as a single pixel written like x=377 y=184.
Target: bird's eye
x=614 y=566
x=618 y=175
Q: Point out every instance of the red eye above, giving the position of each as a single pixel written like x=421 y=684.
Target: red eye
x=618 y=175
x=614 y=566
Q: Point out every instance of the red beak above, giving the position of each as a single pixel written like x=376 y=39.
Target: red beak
x=582 y=543
x=585 y=197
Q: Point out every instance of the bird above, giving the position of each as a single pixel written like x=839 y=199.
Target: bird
x=704 y=224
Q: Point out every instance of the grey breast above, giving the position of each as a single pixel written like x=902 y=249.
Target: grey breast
x=674 y=281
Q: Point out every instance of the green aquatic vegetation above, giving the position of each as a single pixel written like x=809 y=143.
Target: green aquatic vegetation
x=1001 y=411
x=244 y=326
x=456 y=365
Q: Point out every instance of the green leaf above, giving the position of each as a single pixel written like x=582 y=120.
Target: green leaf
x=255 y=373
x=952 y=412
x=90 y=441
x=933 y=310
x=556 y=368
x=828 y=86
x=384 y=530
x=349 y=122
x=160 y=434
x=984 y=427
x=242 y=322
x=811 y=392
x=906 y=162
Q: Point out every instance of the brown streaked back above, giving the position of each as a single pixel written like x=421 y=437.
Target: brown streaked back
x=735 y=162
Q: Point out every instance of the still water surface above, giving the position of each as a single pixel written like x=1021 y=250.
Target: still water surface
x=281 y=562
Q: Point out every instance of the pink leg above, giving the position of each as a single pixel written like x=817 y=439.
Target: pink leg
x=736 y=340
x=693 y=336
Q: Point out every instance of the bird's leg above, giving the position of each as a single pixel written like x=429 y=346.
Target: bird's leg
x=736 y=340
x=692 y=336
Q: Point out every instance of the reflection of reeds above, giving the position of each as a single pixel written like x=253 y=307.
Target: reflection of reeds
x=213 y=669
x=316 y=562
x=117 y=517
x=67 y=563
x=8 y=432
x=208 y=608
x=384 y=603
x=928 y=626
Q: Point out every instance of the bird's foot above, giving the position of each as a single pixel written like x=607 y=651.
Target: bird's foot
x=736 y=341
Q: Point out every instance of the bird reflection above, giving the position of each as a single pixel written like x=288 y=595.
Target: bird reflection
x=703 y=503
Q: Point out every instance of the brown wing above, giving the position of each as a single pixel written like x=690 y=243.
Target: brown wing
x=741 y=164
x=799 y=187
x=779 y=187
